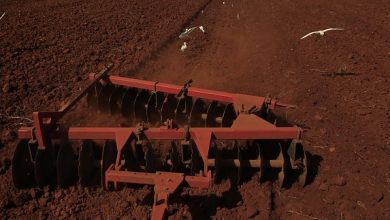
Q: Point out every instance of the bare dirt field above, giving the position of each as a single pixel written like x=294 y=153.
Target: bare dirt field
x=339 y=81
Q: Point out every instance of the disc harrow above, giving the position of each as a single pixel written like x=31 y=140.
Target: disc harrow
x=179 y=136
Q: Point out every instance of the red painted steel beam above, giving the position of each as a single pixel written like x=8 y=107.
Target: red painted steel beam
x=130 y=177
x=199 y=181
x=103 y=133
x=152 y=178
x=172 y=89
x=192 y=91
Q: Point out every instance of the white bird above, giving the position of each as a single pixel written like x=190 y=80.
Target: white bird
x=322 y=32
x=183 y=47
x=189 y=30
x=2 y=16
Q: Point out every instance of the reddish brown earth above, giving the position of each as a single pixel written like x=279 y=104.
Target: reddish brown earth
x=339 y=82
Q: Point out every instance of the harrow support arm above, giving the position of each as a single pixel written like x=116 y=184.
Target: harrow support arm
x=164 y=185
x=238 y=99
x=79 y=133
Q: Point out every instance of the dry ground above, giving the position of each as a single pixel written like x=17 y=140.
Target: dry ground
x=339 y=81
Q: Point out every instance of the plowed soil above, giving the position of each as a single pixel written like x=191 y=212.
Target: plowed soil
x=339 y=81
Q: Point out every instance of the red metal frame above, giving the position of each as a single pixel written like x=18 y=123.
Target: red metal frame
x=246 y=126
x=99 y=133
x=195 y=92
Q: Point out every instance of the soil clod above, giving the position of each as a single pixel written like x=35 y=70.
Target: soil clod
x=251 y=212
x=339 y=181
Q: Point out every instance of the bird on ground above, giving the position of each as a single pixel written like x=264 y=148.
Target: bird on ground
x=201 y=28
x=322 y=32
x=183 y=47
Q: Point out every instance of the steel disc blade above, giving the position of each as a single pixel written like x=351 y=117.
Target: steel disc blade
x=228 y=116
x=212 y=115
x=176 y=164
x=199 y=107
x=303 y=175
x=240 y=170
x=92 y=95
x=168 y=108
x=115 y=100
x=128 y=102
x=23 y=165
x=66 y=168
x=282 y=172
x=104 y=97
x=153 y=108
x=108 y=157
x=262 y=164
x=218 y=165
x=196 y=161
x=149 y=162
x=88 y=169
x=183 y=111
x=139 y=107
x=44 y=169
x=129 y=155
x=139 y=153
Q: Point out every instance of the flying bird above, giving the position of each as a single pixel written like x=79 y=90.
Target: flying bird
x=2 y=16
x=189 y=30
x=322 y=32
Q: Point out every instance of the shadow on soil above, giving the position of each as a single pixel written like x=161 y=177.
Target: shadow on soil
x=202 y=207
x=314 y=162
